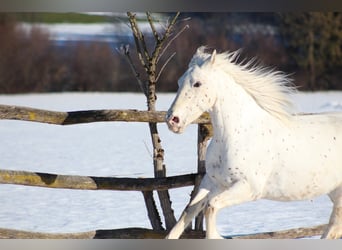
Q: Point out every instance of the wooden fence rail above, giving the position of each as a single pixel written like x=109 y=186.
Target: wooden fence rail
x=143 y=233
x=146 y=185
x=87 y=116
x=95 y=183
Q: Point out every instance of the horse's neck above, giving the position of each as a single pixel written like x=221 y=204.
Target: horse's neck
x=235 y=111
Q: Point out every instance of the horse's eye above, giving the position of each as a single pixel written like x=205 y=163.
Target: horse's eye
x=197 y=84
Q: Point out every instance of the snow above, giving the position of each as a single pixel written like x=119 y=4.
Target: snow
x=122 y=149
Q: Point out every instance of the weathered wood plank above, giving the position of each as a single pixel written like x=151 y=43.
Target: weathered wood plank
x=286 y=234
x=86 y=116
x=94 y=183
x=143 y=233
x=125 y=233
x=20 y=234
x=152 y=211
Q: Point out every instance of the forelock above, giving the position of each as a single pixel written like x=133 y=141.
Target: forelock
x=200 y=57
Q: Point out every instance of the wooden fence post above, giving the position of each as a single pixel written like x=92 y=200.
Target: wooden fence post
x=152 y=211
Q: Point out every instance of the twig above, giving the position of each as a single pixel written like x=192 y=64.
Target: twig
x=172 y=23
x=139 y=41
x=122 y=22
x=164 y=65
x=125 y=51
x=171 y=40
x=160 y=43
x=153 y=28
x=148 y=150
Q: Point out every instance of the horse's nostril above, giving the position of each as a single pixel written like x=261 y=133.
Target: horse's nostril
x=175 y=119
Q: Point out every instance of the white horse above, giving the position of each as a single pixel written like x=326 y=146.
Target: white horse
x=260 y=149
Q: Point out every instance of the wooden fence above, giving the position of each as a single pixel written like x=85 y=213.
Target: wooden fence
x=110 y=183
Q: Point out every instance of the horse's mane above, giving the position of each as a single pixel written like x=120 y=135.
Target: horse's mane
x=269 y=88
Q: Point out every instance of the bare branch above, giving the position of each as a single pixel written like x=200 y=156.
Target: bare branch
x=175 y=37
x=162 y=24
x=164 y=65
x=156 y=52
x=125 y=50
x=153 y=28
x=171 y=41
x=185 y=19
x=122 y=22
x=139 y=41
x=171 y=24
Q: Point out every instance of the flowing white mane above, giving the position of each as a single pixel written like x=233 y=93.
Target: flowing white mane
x=270 y=89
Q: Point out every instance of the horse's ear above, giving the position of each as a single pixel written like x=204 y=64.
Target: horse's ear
x=212 y=58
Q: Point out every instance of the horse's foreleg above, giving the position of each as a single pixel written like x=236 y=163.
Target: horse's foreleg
x=334 y=229
x=193 y=209
x=210 y=220
x=239 y=192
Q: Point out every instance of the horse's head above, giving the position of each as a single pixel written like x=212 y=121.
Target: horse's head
x=195 y=94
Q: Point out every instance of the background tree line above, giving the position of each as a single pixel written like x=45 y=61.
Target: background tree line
x=308 y=45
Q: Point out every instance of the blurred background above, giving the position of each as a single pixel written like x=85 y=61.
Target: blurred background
x=54 y=52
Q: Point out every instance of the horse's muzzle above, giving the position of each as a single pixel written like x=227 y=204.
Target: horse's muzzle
x=173 y=122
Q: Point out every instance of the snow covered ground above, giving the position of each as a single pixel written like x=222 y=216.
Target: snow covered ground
x=122 y=149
